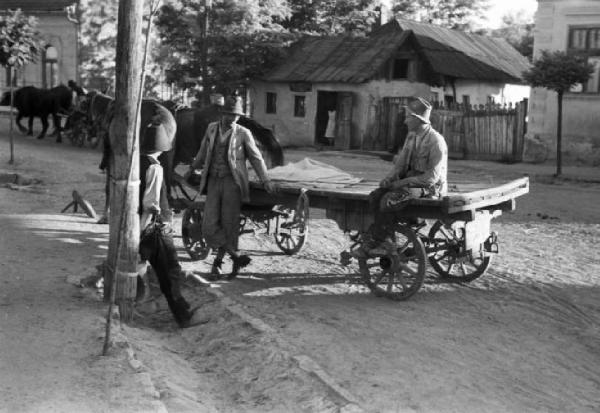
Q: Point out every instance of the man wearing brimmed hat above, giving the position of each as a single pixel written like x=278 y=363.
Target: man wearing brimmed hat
x=419 y=171
x=156 y=242
x=222 y=155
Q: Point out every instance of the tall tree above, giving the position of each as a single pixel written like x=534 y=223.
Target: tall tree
x=19 y=45
x=244 y=38
x=517 y=29
x=454 y=14
x=98 y=40
x=558 y=71
x=330 y=17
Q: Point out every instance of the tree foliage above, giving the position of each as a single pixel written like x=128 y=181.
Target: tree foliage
x=454 y=14
x=98 y=39
x=330 y=17
x=243 y=38
x=19 y=39
x=558 y=71
x=518 y=31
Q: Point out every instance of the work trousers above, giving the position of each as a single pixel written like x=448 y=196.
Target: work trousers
x=221 y=221
x=386 y=204
x=157 y=247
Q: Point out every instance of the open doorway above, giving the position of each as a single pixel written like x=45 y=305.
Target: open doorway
x=326 y=118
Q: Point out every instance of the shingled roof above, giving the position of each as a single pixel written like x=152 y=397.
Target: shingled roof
x=35 y=5
x=465 y=55
x=337 y=59
x=358 y=59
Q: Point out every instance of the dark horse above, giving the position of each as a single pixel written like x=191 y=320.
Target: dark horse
x=33 y=102
x=190 y=127
x=192 y=123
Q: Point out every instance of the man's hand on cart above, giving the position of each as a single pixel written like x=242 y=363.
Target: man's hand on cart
x=386 y=182
x=192 y=176
x=270 y=186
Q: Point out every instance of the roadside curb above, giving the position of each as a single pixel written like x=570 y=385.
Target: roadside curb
x=304 y=362
x=120 y=339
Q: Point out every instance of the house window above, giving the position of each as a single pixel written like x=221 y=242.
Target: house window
x=584 y=38
x=271 y=103
x=593 y=84
x=466 y=100
x=299 y=106
x=585 y=41
x=400 y=69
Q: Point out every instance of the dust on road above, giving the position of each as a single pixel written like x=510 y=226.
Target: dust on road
x=525 y=337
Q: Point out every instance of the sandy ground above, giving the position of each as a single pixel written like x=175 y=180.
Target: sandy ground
x=298 y=333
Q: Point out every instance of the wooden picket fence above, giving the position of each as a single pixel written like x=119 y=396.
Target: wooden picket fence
x=483 y=132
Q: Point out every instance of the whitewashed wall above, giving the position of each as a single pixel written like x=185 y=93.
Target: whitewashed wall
x=581 y=123
x=295 y=131
x=58 y=31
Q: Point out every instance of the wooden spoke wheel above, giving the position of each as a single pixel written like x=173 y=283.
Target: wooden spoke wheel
x=398 y=273
x=77 y=136
x=448 y=255
x=191 y=232
x=292 y=226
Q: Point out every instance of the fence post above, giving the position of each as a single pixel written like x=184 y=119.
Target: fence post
x=519 y=131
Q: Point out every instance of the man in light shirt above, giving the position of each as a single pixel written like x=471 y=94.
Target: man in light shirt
x=156 y=244
x=420 y=171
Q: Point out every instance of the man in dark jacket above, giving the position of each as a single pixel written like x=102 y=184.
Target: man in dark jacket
x=222 y=155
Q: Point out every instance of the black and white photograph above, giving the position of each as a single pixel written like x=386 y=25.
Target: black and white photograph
x=285 y=206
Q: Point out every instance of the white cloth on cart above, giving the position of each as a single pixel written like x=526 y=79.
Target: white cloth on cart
x=313 y=173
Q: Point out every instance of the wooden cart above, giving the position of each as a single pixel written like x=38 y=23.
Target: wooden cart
x=459 y=245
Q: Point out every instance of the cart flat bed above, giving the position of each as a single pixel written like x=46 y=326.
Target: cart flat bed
x=462 y=201
x=459 y=245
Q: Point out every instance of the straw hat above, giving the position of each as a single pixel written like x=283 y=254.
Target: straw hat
x=419 y=108
x=233 y=106
x=156 y=139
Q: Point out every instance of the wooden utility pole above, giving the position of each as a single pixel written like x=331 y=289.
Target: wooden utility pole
x=123 y=132
x=205 y=29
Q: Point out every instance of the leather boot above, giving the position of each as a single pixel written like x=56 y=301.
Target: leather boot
x=215 y=271
x=239 y=261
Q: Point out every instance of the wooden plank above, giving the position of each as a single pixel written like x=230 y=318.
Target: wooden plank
x=479 y=199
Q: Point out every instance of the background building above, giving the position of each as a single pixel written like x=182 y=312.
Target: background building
x=572 y=26
x=58 y=63
x=365 y=80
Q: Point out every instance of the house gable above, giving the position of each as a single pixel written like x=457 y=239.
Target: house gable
x=337 y=59
x=436 y=52
x=463 y=55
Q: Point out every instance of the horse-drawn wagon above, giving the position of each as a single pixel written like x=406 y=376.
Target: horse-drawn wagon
x=458 y=243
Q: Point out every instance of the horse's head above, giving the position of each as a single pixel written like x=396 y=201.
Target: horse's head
x=173 y=106
x=95 y=105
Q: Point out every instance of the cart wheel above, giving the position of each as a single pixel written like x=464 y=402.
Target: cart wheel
x=191 y=232
x=75 y=137
x=292 y=226
x=93 y=141
x=449 y=259
x=399 y=273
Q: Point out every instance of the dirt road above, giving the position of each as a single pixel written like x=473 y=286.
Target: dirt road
x=295 y=333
